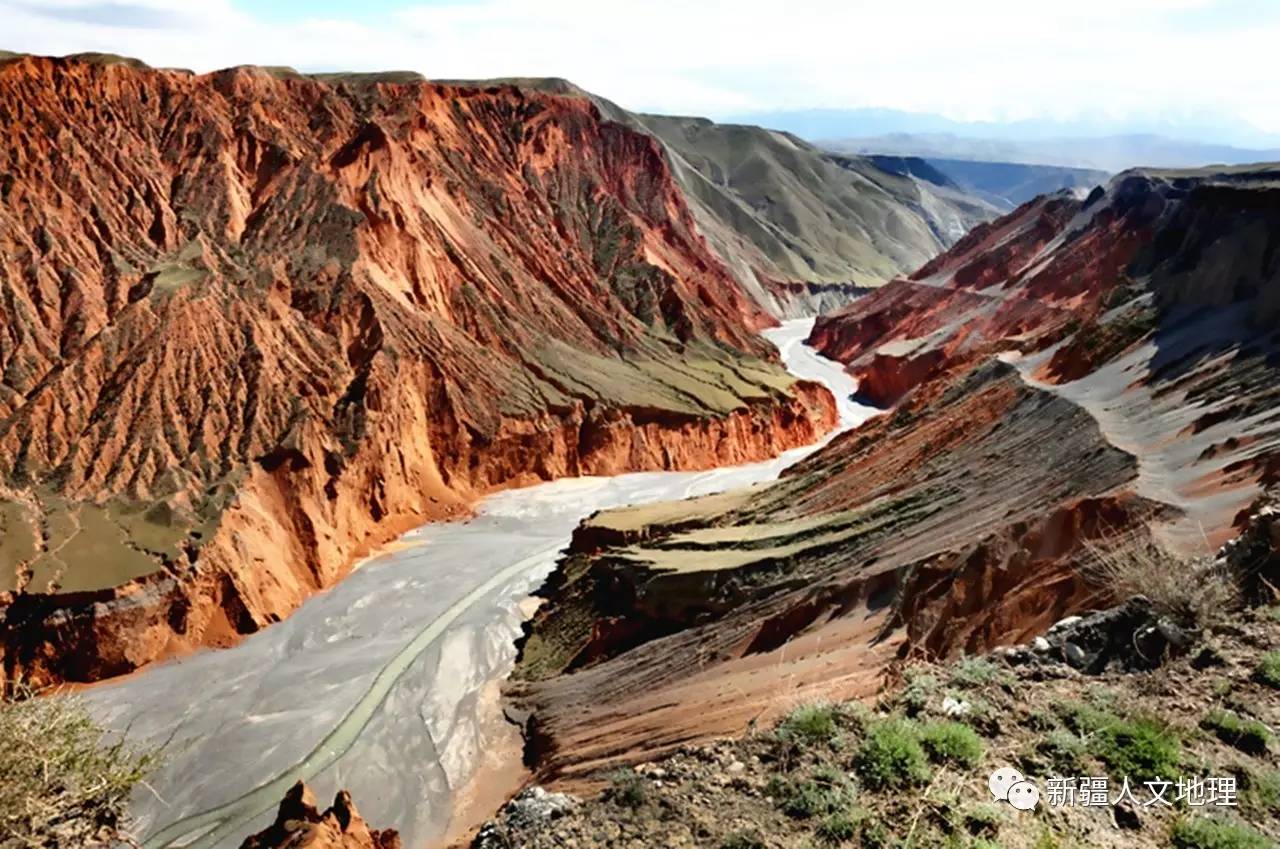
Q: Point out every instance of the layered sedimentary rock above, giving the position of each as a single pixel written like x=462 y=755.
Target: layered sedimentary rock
x=1150 y=304
x=803 y=230
x=255 y=324
x=1078 y=369
x=301 y=825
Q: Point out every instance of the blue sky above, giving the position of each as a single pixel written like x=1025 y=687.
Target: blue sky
x=1207 y=65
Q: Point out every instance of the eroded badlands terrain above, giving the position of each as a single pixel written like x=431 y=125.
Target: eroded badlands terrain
x=256 y=324
x=1078 y=369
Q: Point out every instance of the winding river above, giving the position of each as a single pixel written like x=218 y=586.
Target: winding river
x=380 y=684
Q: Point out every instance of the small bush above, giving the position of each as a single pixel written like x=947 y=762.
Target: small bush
x=826 y=792
x=62 y=783
x=1247 y=735
x=807 y=799
x=1190 y=591
x=951 y=742
x=977 y=672
x=1039 y=720
x=1143 y=749
x=1083 y=719
x=742 y=840
x=627 y=788
x=1268 y=671
x=840 y=827
x=875 y=836
x=1215 y=834
x=813 y=724
x=1260 y=790
x=1101 y=697
x=982 y=820
x=1047 y=839
x=921 y=689
x=1062 y=752
x=891 y=756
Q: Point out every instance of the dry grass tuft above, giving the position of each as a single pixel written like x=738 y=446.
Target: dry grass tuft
x=62 y=782
x=1193 y=592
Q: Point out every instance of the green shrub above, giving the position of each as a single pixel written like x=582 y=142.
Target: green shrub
x=742 y=840
x=875 y=836
x=1062 y=752
x=827 y=791
x=807 y=799
x=1082 y=718
x=62 y=782
x=976 y=672
x=1215 y=834
x=1260 y=790
x=1143 y=749
x=1247 y=735
x=627 y=788
x=1268 y=671
x=812 y=724
x=1040 y=720
x=891 y=756
x=1102 y=697
x=951 y=742
x=982 y=820
x=839 y=827
x=1047 y=839
x=984 y=716
x=921 y=689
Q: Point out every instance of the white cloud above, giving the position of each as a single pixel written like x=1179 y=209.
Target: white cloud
x=983 y=59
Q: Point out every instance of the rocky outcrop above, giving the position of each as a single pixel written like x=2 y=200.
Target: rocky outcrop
x=1076 y=371
x=951 y=526
x=301 y=825
x=965 y=300
x=256 y=324
x=533 y=810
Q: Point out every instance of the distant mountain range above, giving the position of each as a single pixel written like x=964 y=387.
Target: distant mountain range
x=1005 y=185
x=1109 y=153
x=1109 y=146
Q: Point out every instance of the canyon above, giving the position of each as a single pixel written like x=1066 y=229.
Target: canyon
x=1081 y=369
x=256 y=325
x=387 y=685
x=330 y=373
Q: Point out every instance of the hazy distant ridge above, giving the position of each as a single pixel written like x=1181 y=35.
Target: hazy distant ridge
x=1108 y=146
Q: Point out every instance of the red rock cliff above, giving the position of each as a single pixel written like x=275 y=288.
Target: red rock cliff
x=252 y=326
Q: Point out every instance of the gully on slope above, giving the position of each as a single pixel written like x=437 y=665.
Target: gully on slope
x=379 y=684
